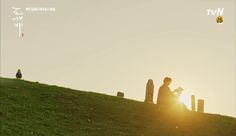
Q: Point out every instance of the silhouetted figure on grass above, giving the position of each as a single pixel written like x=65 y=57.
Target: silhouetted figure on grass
x=168 y=103
x=166 y=96
x=18 y=74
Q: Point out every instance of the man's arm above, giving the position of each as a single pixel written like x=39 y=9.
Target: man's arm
x=178 y=91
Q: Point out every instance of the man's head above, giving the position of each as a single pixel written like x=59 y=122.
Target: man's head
x=167 y=81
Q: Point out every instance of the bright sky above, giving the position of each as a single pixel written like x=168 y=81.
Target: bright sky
x=107 y=46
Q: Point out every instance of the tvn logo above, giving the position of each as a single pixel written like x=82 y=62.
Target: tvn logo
x=215 y=12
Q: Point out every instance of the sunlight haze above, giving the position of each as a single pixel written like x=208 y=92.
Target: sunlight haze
x=107 y=46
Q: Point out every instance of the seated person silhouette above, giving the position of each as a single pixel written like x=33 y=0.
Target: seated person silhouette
x=166 y=96
x=18 y=74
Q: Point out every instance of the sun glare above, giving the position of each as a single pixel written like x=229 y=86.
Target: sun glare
x=185 y=99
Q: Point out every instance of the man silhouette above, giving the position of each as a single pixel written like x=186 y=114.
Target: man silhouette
x=165 y=95
x=18 y=74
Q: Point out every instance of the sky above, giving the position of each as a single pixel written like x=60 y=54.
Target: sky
x=107 y=46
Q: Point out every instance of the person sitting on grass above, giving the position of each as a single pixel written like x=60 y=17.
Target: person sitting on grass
x=18 y=74
x=166 y=96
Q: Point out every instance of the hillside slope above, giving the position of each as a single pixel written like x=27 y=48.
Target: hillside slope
x=34 y=109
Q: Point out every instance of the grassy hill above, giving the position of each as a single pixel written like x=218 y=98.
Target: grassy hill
x=34 y=109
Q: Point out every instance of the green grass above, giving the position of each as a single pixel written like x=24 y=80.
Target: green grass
x=34 y=109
